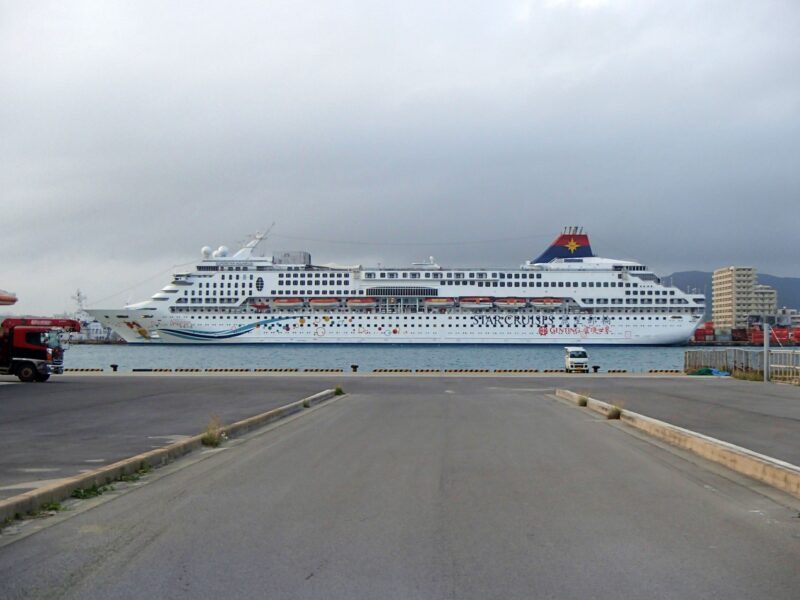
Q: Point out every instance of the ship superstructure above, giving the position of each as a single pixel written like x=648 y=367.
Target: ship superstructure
x=565 y=296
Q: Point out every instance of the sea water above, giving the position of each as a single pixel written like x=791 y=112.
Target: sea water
x=368 y=357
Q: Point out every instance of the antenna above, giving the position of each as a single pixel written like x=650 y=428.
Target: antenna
x=80 y=300
x=259 y=237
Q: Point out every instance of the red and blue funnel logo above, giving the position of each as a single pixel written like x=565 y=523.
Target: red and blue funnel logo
x=567 y=245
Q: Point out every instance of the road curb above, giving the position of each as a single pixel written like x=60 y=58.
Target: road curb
x=776 y=473
x=31 y=501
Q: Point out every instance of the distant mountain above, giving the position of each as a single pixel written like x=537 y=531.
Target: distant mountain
x=788 y=287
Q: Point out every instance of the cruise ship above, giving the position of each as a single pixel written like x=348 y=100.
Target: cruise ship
x=567 y=295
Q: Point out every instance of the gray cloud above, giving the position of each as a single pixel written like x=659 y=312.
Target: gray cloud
x=133 y=133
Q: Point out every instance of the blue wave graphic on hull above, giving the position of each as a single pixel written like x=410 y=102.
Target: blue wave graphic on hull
x=191 y=334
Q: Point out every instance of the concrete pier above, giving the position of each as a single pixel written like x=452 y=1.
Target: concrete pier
x=407 y=487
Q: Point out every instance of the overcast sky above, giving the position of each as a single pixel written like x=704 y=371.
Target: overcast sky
x=134 y=133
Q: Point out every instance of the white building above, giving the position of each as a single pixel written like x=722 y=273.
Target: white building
x=736 y=295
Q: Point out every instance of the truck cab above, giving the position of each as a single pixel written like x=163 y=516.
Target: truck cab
x=31 y=349
x=576 y=359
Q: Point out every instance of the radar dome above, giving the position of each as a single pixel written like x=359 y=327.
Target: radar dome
x=223 y=251
x=206 y=251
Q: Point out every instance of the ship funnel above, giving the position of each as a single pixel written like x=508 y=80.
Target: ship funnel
x=572 y=243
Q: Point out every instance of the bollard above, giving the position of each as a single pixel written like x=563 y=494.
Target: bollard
x=114 y=368
x=354 y=368
x=595 y=368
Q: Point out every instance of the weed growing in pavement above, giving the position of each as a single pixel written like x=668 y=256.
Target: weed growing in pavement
x=748 y=375
x=50 y=507
x=338 y=391
x=213 y=435
x=144 y=469
x=91 y=492
x=614 y=412
x=583 y=400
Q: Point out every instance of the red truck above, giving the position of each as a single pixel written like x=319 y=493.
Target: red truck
x=31 y=349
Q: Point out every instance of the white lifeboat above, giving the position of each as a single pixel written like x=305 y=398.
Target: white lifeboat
x=7 y=298
x=510 y=303
x=475 y=302
x=323 y=303
x=547 y=302
x=439 y=302
x=288 y=303
x=366 y=302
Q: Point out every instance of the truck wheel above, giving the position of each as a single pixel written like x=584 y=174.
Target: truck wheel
x=42 y=378
x=27 y=372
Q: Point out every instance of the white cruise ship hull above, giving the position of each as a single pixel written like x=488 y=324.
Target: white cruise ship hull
x=450 y=328
x=568 y=295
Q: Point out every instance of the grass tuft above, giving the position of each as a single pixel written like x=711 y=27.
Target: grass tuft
x=338 y=391
x=91 y=492
x=748 y=375
x=213 y=436
x=50 y=507
x=614 y=412
x=583 y=400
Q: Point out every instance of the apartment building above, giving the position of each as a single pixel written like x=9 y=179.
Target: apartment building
x=736 y=295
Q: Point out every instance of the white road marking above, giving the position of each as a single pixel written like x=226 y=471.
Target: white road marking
x=169 y=438
x=30 y=485
x=39 y=470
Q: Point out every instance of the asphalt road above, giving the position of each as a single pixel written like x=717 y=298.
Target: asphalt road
x=448 y=489
x=55 y=430
x=75 y=423
x=762 y=417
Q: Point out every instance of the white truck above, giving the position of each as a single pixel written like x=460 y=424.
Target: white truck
x=576 y=360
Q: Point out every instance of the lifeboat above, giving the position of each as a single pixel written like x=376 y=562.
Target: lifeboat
x=288 y=303
x=510 y=303
x=547 y=302
x=7 y=298
x=262 y=305
x=362 y=302
x=439 y=302
x=475 y=302
x=324 y=303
